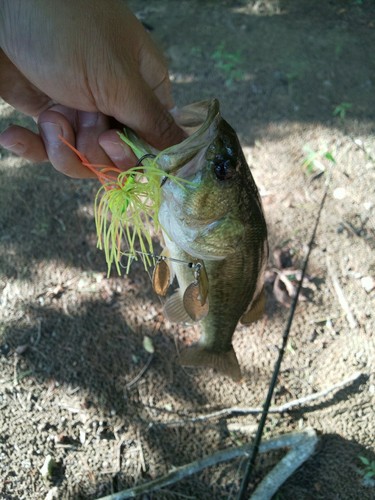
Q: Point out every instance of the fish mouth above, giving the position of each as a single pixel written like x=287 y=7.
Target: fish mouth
x=199 y=121
x=192 y=167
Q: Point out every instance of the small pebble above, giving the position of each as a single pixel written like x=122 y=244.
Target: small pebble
x=53 y=494
x=368 y=283
x=82 y=436
x=340 y=193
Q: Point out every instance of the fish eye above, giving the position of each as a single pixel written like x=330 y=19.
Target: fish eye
x=223 y=169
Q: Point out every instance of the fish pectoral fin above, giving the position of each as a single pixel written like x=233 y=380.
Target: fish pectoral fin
x=256 y=310
x=224 y=362
x=174 y=309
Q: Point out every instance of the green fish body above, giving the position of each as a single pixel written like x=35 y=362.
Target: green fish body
x=216 y=219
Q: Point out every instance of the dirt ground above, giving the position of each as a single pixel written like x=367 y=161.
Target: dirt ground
x=296 y=79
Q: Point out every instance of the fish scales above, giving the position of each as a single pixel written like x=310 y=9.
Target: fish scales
x=218 y=219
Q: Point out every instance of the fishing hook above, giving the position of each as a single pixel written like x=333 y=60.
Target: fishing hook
x=147 y=155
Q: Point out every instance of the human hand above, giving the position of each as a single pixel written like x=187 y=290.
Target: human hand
x=82 y=69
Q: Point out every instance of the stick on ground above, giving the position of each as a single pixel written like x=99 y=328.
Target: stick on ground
x=290 y=405
x=341 y=296
x=301 y=444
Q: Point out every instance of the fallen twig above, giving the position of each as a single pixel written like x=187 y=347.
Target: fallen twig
x=301 y=444
x=301 y=449
x=136 y=379
x=290 y=405
x=341 y=296
x=35 y=341
x=142 y=465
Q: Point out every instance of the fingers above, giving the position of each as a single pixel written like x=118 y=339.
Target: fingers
x=89 y=133
x=80 y=129
x=52 y=125
x=117 y=151
x=23 y=143
x=101 y=145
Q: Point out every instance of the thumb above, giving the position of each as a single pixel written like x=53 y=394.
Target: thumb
x=140 y=109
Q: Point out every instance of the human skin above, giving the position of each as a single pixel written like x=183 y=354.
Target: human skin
x=82 y=69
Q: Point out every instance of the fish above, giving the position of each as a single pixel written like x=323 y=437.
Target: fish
x=215 y=237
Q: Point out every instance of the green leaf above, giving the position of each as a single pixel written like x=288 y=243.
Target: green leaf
x=330 y=157
x=148 y=345
x=364 y=460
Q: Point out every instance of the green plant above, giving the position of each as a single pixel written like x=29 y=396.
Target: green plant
x=228 y=63
x=313 y=161
x=341 y=110
x=368 y=469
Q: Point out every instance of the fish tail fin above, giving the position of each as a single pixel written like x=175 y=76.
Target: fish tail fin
x=224 y=362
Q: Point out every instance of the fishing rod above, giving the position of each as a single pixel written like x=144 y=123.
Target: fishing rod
x=258 y=437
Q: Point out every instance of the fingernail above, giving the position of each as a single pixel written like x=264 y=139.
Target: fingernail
x=50 y=132
x=17 y=148
x=114 y=150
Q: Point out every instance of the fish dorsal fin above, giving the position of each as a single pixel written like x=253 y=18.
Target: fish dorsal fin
x=256 y=309
x=193 y=303
x=224 y=362
x=174 y=309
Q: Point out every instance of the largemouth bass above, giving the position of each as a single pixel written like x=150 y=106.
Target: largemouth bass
x=216 y=221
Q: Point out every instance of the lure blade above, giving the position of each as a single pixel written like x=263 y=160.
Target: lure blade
x=193 y=302
x=203 y=283
x=161 y=278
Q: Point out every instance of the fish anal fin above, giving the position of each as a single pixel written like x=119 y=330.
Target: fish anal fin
x=224 y=362
x=256 y=310
x=174 y=309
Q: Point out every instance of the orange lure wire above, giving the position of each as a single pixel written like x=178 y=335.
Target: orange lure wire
x=105 y=173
